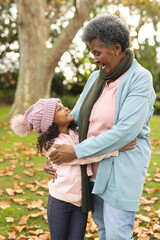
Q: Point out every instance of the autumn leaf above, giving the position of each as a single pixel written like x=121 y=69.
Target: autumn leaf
x=19 y=228
x=2 y=237
x=30 y=173
x=12 y=235
x=21 y=237
x=4 y=205
x=35 y=204
x=142 y=218
x=23 y=220
x=37 y=232
x=20 y=201
x=9 y=219
x=1 y=192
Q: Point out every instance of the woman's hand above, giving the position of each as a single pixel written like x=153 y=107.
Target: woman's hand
x=49 y=169
x=63 y=154
x=129 y=146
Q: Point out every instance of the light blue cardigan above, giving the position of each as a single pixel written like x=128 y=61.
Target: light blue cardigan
x=120 y=179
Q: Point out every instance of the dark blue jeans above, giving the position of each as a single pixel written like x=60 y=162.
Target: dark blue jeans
x=66 y=221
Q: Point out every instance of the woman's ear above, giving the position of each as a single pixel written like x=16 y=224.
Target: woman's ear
x=117 y=48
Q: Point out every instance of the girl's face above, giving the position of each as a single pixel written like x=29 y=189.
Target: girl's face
x=62 y=117
x=106 y=57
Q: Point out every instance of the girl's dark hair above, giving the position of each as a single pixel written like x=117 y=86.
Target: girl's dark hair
x=46 y=139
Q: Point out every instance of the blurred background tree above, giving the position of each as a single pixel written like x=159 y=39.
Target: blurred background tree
x=51 y=60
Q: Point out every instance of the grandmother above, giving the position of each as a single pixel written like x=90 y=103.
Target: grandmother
x=114 y=107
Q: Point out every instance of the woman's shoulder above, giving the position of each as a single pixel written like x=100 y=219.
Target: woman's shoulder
x=139 y=69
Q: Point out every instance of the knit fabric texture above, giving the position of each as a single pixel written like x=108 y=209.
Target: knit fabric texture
x=40 y=115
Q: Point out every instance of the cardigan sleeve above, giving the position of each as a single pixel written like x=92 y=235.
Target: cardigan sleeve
x=133 y=115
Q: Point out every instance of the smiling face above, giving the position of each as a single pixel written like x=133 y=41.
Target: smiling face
x=63 y=117
x=106 y=56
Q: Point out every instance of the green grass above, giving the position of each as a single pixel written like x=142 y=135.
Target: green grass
x=10 y=151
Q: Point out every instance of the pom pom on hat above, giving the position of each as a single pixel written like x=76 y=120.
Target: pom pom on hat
x=18 y=125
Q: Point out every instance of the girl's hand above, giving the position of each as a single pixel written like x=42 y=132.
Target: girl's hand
x=129 y=146
x=50 y=170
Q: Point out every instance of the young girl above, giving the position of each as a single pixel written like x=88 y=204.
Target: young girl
x=56 y=125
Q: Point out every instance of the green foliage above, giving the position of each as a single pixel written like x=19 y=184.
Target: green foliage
x=157 y=107
x=69 y=100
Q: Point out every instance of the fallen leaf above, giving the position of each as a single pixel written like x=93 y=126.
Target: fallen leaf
x=12 y=235
x=23 y=220
x=37 y=232
x=9 y=219
x=19 y=228
x=4 y=205
x=20 y=201
x=1 y=192
x=2 y=237
x=30 y=173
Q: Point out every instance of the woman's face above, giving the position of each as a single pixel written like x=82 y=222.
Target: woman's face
x=106 y=57
x=62 y=117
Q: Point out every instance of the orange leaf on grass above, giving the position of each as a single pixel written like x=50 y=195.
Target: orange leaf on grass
x=12 y=235
x=35 y=204
x=4 y=205
x=2 y=237
x=142 y=218
x=23 y=220
x=19 y=228
x=20 y=201
x=30 y=173
x=9 y=219
x=21 y=237
x=37 y=232
x=1 y=192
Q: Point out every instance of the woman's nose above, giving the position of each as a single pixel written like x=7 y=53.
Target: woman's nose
x=96 y=59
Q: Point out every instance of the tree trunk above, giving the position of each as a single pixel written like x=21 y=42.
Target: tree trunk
x=37 y=63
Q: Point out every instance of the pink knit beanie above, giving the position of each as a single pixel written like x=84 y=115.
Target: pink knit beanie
x=39 y=117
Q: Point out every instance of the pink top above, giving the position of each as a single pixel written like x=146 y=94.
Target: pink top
x=103 y=114
x=67 y=185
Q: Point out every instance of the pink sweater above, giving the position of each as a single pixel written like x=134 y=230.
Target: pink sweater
x=103 y=114
x=67 y=185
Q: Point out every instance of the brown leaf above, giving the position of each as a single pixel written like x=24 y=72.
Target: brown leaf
x=142 y=218
x=30 y=173
x=18 y=228
x=41 y=193
x=21 y=237
x=12 y=235
x=157 y=235
x=1 y=192
x=151 y=190
x=10 y=191
x=4 y=205
x=2 y=237
x=4 y=139
x=9 y=219
x=23 y=220
x=144 y=237
x=27 y=165
x=35 y=204
x=20 y=201
x=37 y=232
x=16 y=176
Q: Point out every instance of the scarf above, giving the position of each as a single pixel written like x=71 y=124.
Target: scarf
x=90 y=99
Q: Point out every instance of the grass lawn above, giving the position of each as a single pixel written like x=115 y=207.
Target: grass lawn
x=24 y=188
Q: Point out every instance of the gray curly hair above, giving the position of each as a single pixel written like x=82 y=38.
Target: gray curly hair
x=108 y=29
